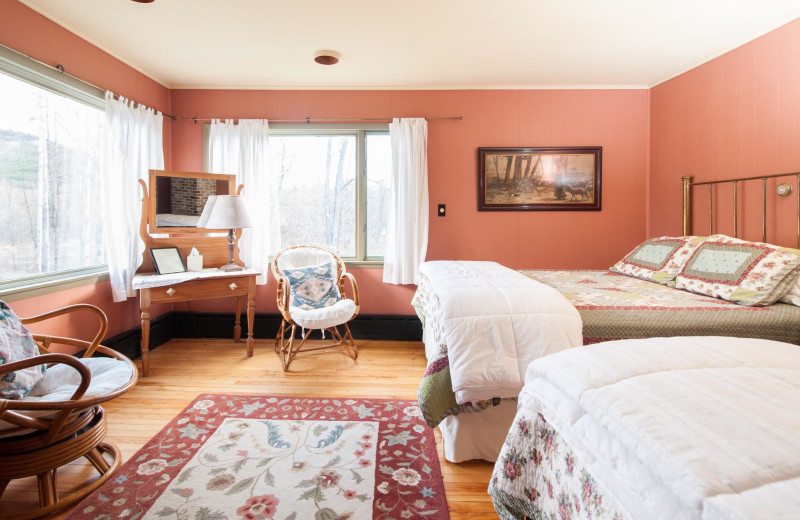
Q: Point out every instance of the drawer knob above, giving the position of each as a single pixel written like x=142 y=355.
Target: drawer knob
x=171 y=291
x=233 y=286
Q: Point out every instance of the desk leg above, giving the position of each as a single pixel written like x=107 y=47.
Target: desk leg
x=144 y=295
x=237 y=328
x=251 y=314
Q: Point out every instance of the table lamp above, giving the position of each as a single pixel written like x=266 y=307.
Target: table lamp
x=226 y=212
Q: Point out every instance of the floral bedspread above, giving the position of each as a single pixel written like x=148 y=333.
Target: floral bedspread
x=539 y=477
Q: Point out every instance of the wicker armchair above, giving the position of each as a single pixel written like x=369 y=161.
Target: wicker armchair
x=331 y=317
x=60 y=419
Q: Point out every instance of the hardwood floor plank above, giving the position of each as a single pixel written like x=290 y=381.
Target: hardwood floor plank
x=183 y=369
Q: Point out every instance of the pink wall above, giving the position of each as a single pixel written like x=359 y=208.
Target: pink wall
x=617 y=120
x=735 y=116
x=27 y=32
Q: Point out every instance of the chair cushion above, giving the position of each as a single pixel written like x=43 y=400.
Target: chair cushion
x=312 y=287
x=748 y=273
x=324 y=317
x=16 y=344
x=60 y=382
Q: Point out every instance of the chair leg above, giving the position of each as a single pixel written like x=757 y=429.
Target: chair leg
x=345 y=340
x=99 y=462
x=47 y=488
x=288 y=349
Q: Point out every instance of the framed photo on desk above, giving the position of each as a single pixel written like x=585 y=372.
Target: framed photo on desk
x=167 y=260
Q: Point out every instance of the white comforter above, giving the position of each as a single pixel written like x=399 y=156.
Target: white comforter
x=496 y=321
x=680 y=427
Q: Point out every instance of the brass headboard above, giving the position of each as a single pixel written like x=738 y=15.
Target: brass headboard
x=687 y=202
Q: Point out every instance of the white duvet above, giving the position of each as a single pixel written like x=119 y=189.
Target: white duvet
x=496 y=321
x=681 y=427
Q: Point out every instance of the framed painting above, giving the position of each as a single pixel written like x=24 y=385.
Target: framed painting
x=539 y=179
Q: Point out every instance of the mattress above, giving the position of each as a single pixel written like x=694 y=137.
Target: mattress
x=664 y=428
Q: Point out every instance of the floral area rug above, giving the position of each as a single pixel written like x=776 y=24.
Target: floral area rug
x=283 y=458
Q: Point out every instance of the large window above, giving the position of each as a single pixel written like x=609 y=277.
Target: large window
x=49 y=178
x=333 y=187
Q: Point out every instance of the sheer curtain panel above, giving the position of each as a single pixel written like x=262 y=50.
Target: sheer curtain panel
x=132 y=145
x=407 y=229
x=243 y=150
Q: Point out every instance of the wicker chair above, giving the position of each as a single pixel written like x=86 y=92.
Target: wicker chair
x=339 y=311
x=60 y=419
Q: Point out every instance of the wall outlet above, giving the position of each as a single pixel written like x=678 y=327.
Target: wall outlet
x=441 y=211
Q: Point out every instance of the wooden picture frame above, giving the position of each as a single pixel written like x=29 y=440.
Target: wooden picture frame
x=565 y=178
x=167 y=260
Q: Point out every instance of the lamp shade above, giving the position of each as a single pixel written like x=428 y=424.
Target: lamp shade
x=225 y=212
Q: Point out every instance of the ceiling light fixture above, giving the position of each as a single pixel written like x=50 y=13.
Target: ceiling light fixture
x=144 y=1
x=327 y=57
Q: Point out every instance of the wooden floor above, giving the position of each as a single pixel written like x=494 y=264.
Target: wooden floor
x=182 y=369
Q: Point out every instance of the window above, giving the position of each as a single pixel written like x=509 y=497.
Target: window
x=323 y=199
x=49 y=174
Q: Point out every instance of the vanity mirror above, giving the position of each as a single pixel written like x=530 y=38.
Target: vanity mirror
x=177 y=199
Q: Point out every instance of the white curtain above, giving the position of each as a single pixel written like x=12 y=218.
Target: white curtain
x=132 y=145
x=407 y=228
x=243 y=150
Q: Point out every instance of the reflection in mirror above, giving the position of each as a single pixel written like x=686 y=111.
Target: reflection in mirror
x=179 y=197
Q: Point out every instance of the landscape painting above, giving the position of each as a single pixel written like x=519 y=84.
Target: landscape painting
x=556 y=178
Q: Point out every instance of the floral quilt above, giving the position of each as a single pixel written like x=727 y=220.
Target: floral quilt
x=537 y=476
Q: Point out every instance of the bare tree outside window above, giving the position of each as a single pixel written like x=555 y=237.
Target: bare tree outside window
x=49 y=182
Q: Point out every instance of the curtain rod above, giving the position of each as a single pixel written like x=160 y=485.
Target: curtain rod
x=329 y=119
x=59 y=68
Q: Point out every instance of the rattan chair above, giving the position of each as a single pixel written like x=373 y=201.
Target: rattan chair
x=60 y=419
x=329 y=318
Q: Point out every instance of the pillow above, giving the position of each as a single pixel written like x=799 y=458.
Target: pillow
x=658 y=259
x=313 y=287
x=16 y=344
x=793 y=294
x=749 y=273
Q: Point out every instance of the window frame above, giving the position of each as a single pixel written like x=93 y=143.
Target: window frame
x=28 y=70
x=360 y=131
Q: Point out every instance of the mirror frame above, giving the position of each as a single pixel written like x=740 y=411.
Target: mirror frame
x=152 y=222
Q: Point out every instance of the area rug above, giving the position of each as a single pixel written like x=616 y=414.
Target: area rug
x=283 y=458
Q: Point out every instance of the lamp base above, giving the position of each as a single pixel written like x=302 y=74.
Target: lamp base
x=231 y=267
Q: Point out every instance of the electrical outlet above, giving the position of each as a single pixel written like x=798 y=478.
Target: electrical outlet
x=441 y=211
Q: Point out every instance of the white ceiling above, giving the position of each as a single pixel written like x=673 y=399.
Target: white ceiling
x=417 y=44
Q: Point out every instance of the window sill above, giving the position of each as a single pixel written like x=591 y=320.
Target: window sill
x=364 y=264
x=39 y=286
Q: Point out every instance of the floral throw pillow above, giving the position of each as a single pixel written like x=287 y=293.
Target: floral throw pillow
x=658 y=259
x=749 y=273
x=313 y=287
x=16 y=344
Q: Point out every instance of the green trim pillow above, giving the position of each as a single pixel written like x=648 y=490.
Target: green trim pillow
x=658 y=259
x=16 y=344
x=748 y=273
x=313 y=287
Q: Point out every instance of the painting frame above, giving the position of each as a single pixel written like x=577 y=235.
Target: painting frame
x=553 y=178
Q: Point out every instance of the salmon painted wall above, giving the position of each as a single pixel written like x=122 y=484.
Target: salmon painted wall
x=617 y=120
x=735 y=116
x=26 y=31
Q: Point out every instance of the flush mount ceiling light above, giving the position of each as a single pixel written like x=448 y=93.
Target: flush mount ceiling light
x=327 y=57
x=144 y=1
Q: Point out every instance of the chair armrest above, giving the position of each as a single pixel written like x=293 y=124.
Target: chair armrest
x=47 y=339
x=353 y=288
x=283 y=296
x=83 y=371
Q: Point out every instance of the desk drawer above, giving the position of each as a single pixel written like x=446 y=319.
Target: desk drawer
x=200 y=289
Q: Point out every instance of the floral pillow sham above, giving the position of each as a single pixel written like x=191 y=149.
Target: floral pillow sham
x=658 y=259
x=748 y=273
x=16 y=344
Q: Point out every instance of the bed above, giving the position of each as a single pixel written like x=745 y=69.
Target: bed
x=662 y=428
x=610 y=305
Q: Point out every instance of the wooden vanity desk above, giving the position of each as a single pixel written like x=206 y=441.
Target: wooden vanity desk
x=190 y=286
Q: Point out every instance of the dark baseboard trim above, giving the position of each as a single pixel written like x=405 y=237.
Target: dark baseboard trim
x=182 y=324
